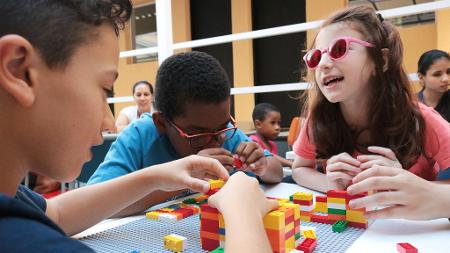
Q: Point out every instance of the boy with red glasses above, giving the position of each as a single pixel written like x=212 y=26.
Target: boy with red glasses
x=361 y=111
x=192 y=95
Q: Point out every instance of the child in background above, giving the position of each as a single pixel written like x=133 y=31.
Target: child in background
x=143 y=96
x=361 y=108
x=60 y=61
x=267 y=118
x=434 y=76
x=192 y=95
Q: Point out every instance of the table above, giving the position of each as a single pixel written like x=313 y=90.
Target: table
x=381 y=236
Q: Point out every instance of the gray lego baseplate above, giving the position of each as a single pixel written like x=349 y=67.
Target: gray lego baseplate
x=146 y=235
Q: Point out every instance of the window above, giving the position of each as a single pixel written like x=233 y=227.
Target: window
x=379 y=5
x=144 y=33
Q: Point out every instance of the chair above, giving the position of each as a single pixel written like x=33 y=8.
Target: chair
x=294 y=130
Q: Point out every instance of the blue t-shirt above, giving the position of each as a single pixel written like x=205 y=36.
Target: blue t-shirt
x=140 y=145
x=24 y=227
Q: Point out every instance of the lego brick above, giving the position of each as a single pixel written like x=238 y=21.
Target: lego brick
x=309 y=234
x=308 y=245
x=289 y=244
x=207 y=208
x=336 y=206
x=216 y=184
x=321 y=207
x=336 y=200
x=355 y=216
x=336 y=211
x=303 y=196
x=274 y=220
x=339 y=226
x=358 y=225
x=303 y=202
x=276 y=239
x=295 y=208
x=404 y=247
x=175 y=243
x=209 y=235
x=307 y=208
x=218 y=250
x=336 y=194
x=209 y=244
x=305 y=218
x=322 y=219
x=321 y=199
x=209 y=225
x=152 y=215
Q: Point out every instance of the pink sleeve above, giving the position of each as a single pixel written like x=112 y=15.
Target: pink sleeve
x=302 y=146
x=437 y=136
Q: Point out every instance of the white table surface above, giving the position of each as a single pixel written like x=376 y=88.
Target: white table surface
x=381 y=236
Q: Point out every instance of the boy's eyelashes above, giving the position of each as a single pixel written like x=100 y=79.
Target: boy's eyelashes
x=109 y=92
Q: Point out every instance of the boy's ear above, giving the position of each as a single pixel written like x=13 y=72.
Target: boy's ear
x=158 y=119
x=385 y=52
x=258 y=123
x=15 y=56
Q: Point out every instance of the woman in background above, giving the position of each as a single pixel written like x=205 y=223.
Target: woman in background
x=143 y=96
x=434 y=76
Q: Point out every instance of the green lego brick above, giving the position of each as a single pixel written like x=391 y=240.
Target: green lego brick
x=189 y=201
x=291 y=198
x=339 y=226
x=218 y=250
x=336 y=211
x=297 y=236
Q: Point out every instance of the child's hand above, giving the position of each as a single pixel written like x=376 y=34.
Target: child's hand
x=403 y=194
x=241 y=193
x=341 y=169
x=382 y=156
x=252 y=156
x=45 y=184
x=222 y=155
x=187 y=172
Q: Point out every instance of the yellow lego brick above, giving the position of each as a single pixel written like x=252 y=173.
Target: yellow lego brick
x=214 y=184
x=295 y=207
x=355 y=216
x=310 y=234
x=221 y=237
x=175 y=243
x=303 y=196
x=221 y=221
x=336 y=200
x=289 y=227
x=152 y=215
x=274 y=220
x=166 y=209
x=305 y=218
x=289 y=244
x=281 y=201
x=321 y=207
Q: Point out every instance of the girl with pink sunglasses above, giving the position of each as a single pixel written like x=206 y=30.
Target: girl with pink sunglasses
x=361 y=112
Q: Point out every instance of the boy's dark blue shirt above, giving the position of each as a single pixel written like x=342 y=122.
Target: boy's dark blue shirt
x=24 y=227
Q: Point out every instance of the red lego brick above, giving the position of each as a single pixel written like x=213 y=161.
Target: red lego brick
x=289 y=219
x=209 y=225
x=321 y=219
x=404 y=247
x=208 y=209
x=308 y=245
x=212 y=191
x=321 y=199
x=210 y=245
x=303 y=202
x=358 y=225
x=337 y=194
x=237 y=163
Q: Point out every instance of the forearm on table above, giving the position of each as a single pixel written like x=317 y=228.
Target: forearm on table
x=81 y=208
x=310 y=178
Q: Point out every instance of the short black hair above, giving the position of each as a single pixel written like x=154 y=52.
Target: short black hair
x=262 y=109
x=189 y=77
x=428 y=58
x=150 y=86
x=56 y=28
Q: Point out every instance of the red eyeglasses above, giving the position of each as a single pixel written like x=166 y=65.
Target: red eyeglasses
x=203 y=139
x=336 y=51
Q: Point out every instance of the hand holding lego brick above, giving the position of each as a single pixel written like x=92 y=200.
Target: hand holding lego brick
x=242 y=193
x=220 y=154
x=252 y=158
x=401 y=194
x=187 y=172
x=341 y=169
x=381 y=156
